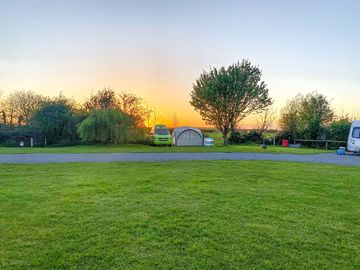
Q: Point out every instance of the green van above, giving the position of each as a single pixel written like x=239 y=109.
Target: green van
x=160 y=135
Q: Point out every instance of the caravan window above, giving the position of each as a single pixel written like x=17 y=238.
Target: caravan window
x=356 y=132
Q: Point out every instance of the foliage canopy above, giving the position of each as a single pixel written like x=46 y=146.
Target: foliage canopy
x=225 y=96
x=307 y=116
x=56 y=123
x=106 y=126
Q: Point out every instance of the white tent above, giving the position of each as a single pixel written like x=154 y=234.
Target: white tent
x=187 y=136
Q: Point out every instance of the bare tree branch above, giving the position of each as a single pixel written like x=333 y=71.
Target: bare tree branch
x=265 y=120
x=174 y=120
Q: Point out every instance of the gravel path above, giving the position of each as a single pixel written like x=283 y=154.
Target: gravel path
x=352 y=160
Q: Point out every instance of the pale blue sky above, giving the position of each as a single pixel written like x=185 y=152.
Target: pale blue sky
x=158 y=48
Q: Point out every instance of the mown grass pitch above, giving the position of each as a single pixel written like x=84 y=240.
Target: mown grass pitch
x=180 y=215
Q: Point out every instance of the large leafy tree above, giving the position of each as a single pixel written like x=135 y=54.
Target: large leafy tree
x=316 y=115
x=109 y=99
x=307 y=116
x=225 y=96
x=106 y=126
x=56 y=123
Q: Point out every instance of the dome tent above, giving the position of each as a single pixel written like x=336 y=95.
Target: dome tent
x=187 y=136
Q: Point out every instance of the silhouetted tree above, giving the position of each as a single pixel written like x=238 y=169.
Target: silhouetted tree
x=265 y=120
x=174 y=120
x=133 y=106
x=21 y=105
x=103 y=99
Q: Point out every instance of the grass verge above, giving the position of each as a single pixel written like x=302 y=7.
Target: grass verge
x=159 y=149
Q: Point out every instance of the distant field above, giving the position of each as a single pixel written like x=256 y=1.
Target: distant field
x=147 y=149
x=180 y=215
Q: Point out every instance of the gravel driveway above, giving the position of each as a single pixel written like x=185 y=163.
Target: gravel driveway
x=352 y=160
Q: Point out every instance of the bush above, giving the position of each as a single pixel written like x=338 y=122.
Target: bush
x=252 y=136
x=339 y=130
x=236 y=137
x=13 y=136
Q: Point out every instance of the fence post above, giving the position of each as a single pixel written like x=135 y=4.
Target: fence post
x=327 y=145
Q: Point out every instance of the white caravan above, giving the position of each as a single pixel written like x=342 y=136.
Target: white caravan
x=354 y=137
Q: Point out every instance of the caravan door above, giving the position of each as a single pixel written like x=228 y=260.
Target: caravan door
x=354 y=137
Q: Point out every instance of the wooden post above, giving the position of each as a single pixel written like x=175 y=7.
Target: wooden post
x=326 y=145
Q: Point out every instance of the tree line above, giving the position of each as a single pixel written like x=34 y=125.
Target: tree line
x=222 y=96
x=225 y=96
x=312 y=117
x=108 y=116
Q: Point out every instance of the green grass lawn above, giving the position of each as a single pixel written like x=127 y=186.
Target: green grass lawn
x=147 y=149
x=180 y=215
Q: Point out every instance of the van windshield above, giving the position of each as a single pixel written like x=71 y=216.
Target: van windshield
x=356 y=133
x=162 y=132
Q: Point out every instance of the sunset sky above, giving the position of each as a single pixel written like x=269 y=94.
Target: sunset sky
x=157 y=49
